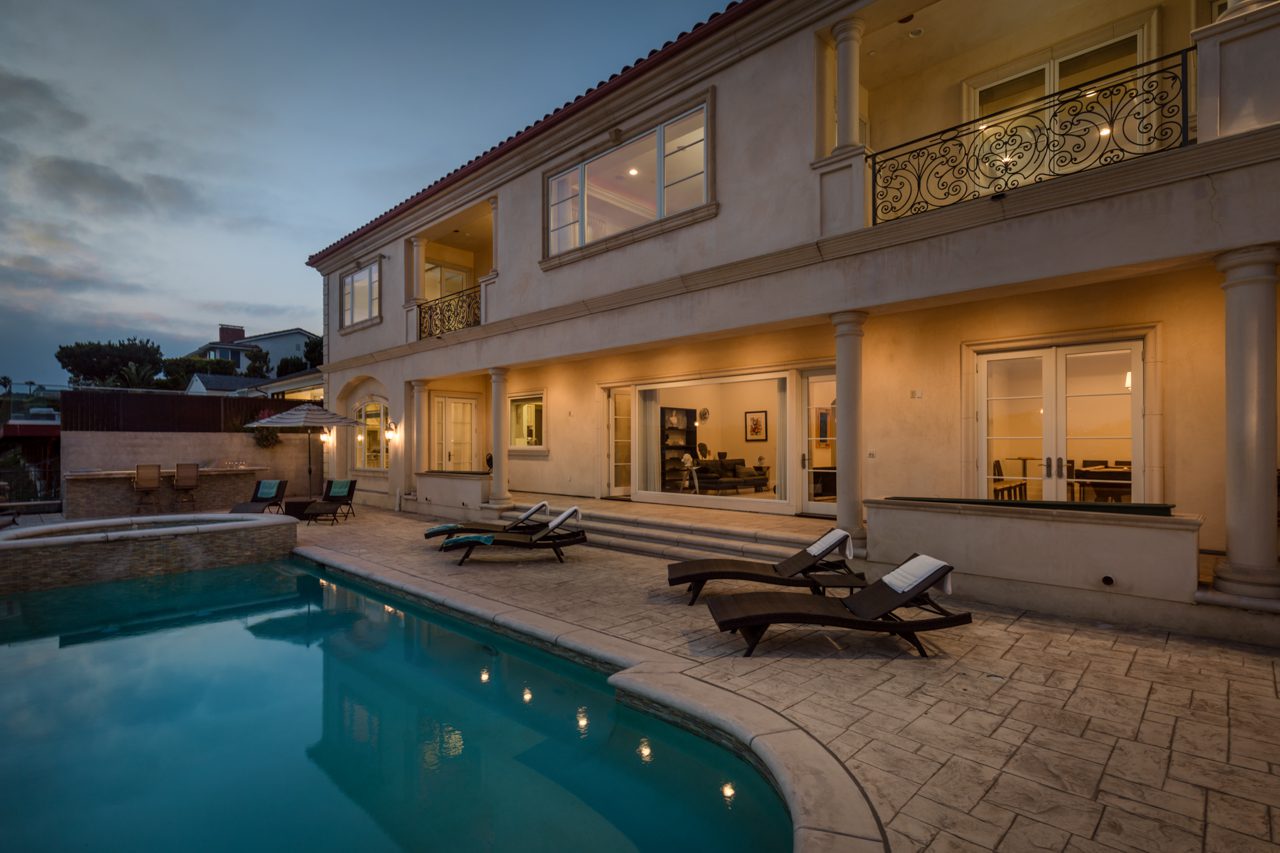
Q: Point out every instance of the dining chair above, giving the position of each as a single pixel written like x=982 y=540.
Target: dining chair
x=186 y=477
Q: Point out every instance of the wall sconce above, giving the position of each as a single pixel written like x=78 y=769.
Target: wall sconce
x=360 y=437
x=390 y=432
x=326 y=437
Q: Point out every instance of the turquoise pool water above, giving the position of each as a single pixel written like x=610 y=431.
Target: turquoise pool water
x=271 y=708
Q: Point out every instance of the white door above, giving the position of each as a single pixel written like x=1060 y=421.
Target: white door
x=619 y=442
x=454 y=429
x=818 y=461
x=1062 y=423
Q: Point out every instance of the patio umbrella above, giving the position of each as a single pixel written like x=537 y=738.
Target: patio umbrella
x=306 y=628
x=308 y=416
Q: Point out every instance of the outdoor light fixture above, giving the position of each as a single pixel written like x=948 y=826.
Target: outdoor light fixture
x=391 y=430
x=527 y=695
x=484 y=676
x=326 y=436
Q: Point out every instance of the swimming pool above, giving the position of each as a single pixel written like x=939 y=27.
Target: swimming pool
x=268 y=707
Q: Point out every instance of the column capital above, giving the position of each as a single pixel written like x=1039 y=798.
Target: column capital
x=493 y=202
x=1248 y=256
x=497 y=373
x=420 y=384
x=849 y=322
x=849 y=29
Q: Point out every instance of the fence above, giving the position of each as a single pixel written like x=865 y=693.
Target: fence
x=120 y=411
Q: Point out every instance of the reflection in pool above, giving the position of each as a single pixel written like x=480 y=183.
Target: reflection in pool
x=265 y=707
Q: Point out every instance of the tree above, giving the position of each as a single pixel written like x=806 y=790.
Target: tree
x=314 y=351
x=134 y=375
x=98 y=363
x=259 y=365
x=178 y=371
x=289 y=365
x=7 y=409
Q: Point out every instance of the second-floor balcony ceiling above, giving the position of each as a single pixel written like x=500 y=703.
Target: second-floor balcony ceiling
x=1141 y=110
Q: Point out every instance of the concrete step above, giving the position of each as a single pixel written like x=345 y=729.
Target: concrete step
x=683 y=540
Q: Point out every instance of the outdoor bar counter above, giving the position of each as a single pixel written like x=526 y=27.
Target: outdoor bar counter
x=103 y=494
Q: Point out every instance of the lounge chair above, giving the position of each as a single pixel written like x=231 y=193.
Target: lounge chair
x=908 y=585
x=317 y=510
x=523 y=524
x=266 y=494
x=800 y=569
x=550 y=536
x=340 y=492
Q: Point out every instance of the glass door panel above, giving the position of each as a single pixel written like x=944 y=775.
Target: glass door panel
x=820 y=445
x=1014 y=425
x=461 y=435
x=620 y=442
x=1098 y=427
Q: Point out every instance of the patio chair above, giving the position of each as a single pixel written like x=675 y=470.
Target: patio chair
x=523 y=524
x=550 y=536
x=340 y=492
x=186 y=477
x=146 y=487
x=318 y=510
x=872 y=609
x=807 y=567
x=266 y=494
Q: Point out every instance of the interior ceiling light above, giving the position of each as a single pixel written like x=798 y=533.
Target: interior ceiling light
x=916 y=33
x=908 y=19
x=633 y=172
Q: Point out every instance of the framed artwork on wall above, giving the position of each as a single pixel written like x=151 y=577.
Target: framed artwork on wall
x=757 y=426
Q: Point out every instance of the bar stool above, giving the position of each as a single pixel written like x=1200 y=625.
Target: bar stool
x=146 y=487
x=186 y=477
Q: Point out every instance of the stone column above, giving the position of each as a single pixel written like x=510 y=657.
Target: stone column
x=1250 y=567
x=849 y=420
x=421 y=456
x=493 y=236
x=498 y=416
x=848 y=36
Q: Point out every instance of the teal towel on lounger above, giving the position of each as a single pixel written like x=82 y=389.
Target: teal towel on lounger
x=442 y=528
x=477 y=538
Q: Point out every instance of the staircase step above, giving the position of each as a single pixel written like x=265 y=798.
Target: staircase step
x=683 y=540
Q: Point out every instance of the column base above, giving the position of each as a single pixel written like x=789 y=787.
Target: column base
x=1252 y=581
x=498 y=504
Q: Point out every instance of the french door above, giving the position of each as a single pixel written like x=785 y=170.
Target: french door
x=454 y=426
x=1062 y=423
x=819 y=460
x=620 y=442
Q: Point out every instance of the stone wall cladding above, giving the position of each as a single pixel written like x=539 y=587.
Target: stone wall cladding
x=108 y=497
x=87 y=558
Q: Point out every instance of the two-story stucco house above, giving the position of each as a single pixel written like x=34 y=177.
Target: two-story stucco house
x=811 y=255
x=234 y=346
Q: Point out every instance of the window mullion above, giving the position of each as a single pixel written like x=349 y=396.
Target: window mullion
x=582 y=204
x=661 y=189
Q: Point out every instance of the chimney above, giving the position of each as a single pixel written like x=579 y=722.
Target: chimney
x=229 y=334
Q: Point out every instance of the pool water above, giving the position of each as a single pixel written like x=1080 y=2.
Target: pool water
x=270 y=708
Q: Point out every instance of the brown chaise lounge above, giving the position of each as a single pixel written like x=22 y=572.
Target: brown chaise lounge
x=805 y=567
x=523 y=524
x=550 y=536
x=266 y=494
x=871 y=609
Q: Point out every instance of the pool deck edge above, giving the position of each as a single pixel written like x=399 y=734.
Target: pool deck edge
x=829 y=809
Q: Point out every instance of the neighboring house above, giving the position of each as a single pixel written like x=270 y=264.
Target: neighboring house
x=303 y=385
x=234 y=345
x=855 y=250
x=219 y=386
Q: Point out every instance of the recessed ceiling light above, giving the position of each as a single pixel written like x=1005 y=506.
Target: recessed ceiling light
x=633 y=172
x=916 y=33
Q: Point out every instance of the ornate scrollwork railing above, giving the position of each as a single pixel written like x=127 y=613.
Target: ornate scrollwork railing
x=449 y=313
x=1128 y=114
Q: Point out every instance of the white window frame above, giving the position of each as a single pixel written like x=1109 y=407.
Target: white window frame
x=660 y=145
x=543 y=449
x=358 y=457
x=1144 y=25
x=346 y=295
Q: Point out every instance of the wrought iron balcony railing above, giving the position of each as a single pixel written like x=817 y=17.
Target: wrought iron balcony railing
x=1128 y=114
x=449 y=313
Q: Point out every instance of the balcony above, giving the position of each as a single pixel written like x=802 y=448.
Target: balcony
x=449 y=313
x=1127 y=114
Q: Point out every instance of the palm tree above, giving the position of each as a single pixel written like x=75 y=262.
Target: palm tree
x=134 y=375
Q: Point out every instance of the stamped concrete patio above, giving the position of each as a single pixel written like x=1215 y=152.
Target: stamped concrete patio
x=1020 y=732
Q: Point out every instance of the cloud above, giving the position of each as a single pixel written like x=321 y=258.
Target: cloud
x=253 y=309
x=92 y=188
x=26 y=102
x=22 y=276
x=10 y=153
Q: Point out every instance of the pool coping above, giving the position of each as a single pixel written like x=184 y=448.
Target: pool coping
x=829 y=809
x=89 y=530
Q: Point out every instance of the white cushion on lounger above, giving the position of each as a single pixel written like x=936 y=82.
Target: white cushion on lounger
x=828 y=539
x=912 y=572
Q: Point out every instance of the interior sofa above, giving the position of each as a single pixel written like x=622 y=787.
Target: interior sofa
x=722 y=475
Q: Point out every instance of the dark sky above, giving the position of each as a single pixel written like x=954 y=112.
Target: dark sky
x=168 y=165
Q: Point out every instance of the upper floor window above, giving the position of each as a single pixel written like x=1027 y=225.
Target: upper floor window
x=372 y=445
x=439 y=280
x=659 y=173
x=360 y=294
